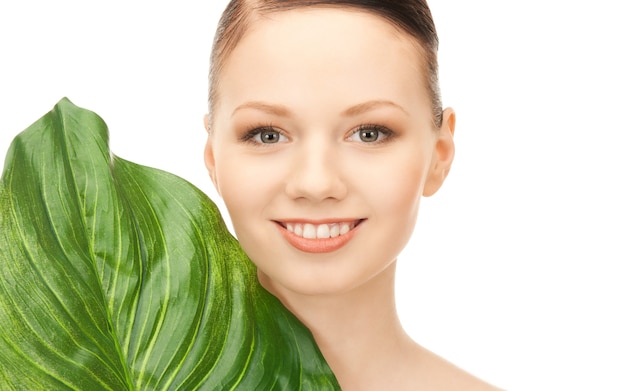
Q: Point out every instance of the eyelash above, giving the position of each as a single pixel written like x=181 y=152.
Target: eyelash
x=249 y=135
x=385 y=131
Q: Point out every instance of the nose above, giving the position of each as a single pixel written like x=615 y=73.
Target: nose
x=316 y=174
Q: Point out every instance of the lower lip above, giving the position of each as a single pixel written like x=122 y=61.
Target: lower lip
x=317 y=245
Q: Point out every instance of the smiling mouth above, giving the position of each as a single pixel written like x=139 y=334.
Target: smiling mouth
x=321 y=231
x=318 y=238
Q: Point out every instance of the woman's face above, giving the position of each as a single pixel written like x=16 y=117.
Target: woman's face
x=322 y=144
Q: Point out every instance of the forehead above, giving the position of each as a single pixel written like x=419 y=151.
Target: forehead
x=338 y=53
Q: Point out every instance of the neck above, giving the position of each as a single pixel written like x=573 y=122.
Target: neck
x=352 y=327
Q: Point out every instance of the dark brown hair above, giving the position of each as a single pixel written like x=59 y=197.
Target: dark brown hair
x=410 y=16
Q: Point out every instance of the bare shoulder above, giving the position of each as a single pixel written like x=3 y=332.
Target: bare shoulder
x=437 y=373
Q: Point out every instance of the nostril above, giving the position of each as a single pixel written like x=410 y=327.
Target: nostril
x=316 y=183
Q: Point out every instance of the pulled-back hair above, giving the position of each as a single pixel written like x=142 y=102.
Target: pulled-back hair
x=410 y=16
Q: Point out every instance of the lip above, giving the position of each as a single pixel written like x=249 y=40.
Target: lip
x=318 y=246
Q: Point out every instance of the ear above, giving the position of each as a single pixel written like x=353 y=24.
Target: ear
x=209 y=158
x=443 y=154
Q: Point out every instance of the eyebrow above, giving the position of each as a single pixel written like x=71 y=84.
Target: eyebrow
x=371 y=105
x=278 y=110
x=283 y=111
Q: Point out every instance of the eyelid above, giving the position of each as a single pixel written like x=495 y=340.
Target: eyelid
x=383 y=130
x=249 y=135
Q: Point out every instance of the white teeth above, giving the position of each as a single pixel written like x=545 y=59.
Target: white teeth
x=320 y=231
x=309 y=231
x=323 y=231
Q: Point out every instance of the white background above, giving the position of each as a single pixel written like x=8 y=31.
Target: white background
x=516 y=270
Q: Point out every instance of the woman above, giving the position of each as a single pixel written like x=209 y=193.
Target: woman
x=325 y=129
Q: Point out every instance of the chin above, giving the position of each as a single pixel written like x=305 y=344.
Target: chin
x=332 y=284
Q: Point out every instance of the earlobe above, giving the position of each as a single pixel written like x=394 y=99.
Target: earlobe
x=443 y=154
x=209 y=161
x=209 y=158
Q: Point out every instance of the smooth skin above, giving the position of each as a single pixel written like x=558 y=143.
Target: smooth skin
x=323 y=116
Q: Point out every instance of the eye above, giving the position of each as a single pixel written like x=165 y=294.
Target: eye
x=268 y=136
x=370 y=134
x=264 y=135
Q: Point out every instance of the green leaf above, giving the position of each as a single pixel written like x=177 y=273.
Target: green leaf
x=115 y=276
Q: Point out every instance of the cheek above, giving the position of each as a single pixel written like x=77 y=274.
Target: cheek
x=246 y=186
x=237 y=182
x=396 y=187
x=398 y=199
